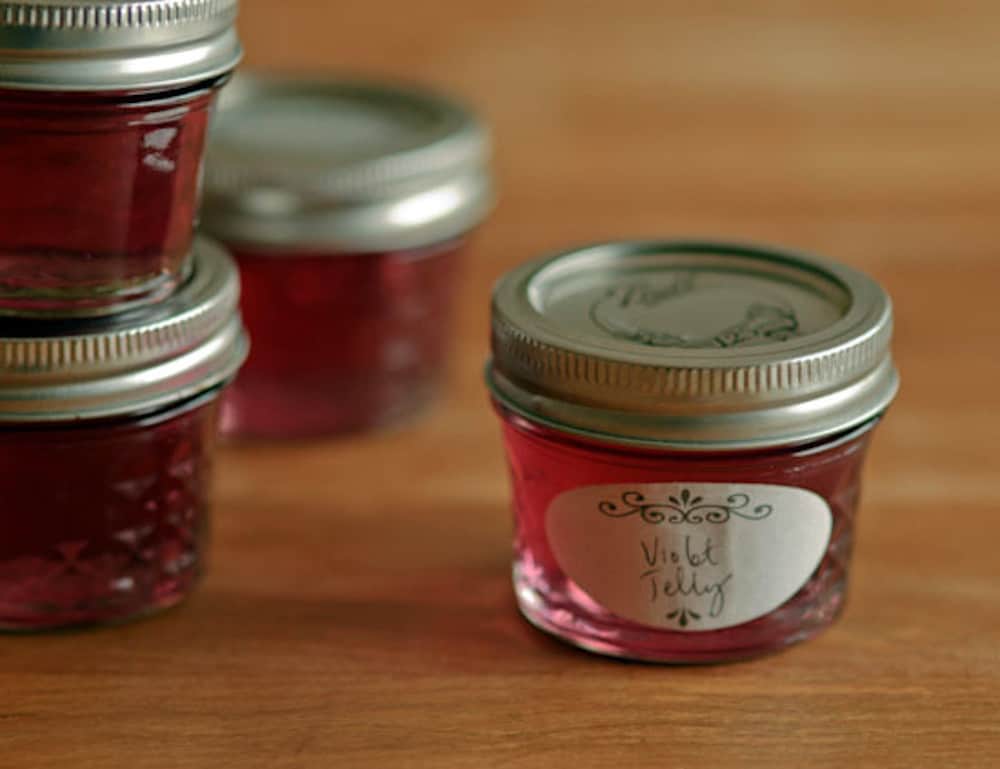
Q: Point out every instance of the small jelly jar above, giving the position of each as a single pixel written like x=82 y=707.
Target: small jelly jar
x=348 y=206
x=104 y=109
x=107 y=427
x=685 y=425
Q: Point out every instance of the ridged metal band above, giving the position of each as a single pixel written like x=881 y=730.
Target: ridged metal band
x=461 y=154
x=438 y=187
x=131 y=363
x=637 y=385
x=790 y=392
x=115 y=45
x=89 y=16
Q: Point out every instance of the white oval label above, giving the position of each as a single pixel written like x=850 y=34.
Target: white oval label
x=689 y=556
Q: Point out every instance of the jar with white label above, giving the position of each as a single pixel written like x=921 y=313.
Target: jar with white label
x=686 y=424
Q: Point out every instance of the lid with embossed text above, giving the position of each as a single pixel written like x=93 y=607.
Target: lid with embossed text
x=692 y=345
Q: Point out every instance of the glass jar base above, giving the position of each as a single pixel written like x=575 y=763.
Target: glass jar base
x=19 y=300
x=42 y=618
x=603 y=633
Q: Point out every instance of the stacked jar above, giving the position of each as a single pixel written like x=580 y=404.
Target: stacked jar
x=118 y=329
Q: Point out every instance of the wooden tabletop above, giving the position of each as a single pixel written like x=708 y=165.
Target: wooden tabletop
x=358 y=609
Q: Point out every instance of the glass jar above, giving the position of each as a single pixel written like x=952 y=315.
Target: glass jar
x=348 y=206
x=685 y=426
x=107 y=430
x=103 y=119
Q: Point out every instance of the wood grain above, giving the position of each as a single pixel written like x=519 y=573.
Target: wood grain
x=358 y=611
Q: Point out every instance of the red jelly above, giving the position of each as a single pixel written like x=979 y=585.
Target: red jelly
x=102 y=131
x=304 y=377
x=106 y=433
x=686 y=425
x=348 y=206
x=122 y=533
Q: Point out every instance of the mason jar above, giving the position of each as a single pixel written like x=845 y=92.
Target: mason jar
x=107 y=431
x=104 y=109
x=349 y=206
x=686 y=425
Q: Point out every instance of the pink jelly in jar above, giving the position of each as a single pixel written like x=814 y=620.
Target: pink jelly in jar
x=107 y=431
x=104 y=109
x=686 y=426
x=349 y=207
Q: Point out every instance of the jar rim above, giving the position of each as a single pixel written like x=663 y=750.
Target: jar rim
x=614 y=443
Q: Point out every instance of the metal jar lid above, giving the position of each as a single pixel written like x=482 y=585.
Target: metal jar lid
x=131 y=363
x=692 y=345
x=343 y=166
x=74 y=45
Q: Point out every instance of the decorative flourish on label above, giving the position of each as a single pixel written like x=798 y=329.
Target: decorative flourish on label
x=682 y=615
x=685 y=508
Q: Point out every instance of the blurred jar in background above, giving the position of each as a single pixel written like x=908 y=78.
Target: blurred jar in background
x=107 y=431
x=348 y=206
x=104 y=110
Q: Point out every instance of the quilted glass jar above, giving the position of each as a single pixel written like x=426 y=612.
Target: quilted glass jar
x=107 y=429
x=686 y=426
x=348 y=206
